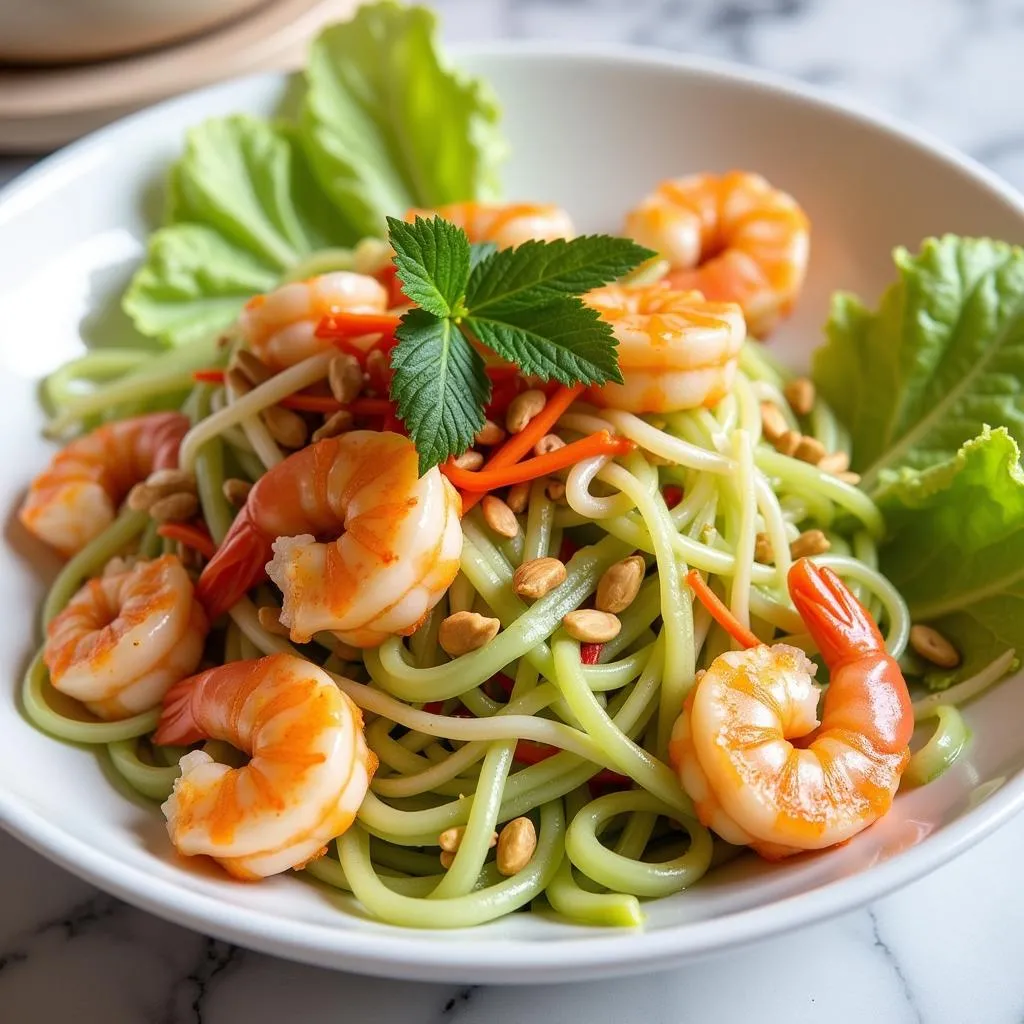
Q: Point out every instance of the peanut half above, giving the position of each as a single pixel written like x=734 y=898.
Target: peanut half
x=590 y=626
x=537 y=577
x=517 y=843
x=466 y=631
x=620 y=584
x=499 y=517
x=931 y=645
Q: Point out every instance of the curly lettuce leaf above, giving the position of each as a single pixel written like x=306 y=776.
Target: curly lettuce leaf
x=384 y=126
x=956 y=545
x=388 y=127
x=942 y=356
x=250 y=180
x=243 y=207
x=193 y=284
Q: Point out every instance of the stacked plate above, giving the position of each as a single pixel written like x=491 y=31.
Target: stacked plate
x=96 y=71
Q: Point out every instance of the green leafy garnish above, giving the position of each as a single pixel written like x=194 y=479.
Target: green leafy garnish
x=942 y=356
x=389 y=126
x=918 y=382
x=433 y=262
x=955 y=547
x=523 y=304
x=384 y=126
x=193 y=284
x=439 y=385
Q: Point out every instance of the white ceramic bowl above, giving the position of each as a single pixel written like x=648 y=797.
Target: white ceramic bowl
x=592 y=131
x=55 y=31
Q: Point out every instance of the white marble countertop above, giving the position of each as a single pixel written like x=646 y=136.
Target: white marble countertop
x=946 y=950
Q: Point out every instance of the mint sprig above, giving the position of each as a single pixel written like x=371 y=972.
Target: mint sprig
x=523 y=304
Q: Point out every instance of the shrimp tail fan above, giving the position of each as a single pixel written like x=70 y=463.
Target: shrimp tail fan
x=839 y=624
x=240 y=563
x=178 y=725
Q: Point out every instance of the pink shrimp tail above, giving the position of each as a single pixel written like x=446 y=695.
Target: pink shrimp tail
x=839 y=624
x=178 y=725
x=167 y=431
x=240 y=563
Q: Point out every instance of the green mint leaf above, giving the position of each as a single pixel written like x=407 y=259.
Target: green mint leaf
x=432 y=257
x=439 y=386
x=564 y=340
x=536 y=273
x=942 y=356
x=479 y=251
x=955 y=546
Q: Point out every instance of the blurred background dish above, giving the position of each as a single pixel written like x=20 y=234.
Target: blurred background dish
x=58 y=31
x=45 y=107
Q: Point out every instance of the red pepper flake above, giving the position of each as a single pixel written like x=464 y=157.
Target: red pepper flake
x=590 y=654
x=673 y=494
x=213 y=375
x=434 y=707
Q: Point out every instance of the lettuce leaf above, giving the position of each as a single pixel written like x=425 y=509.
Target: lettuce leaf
x=194 y=283
x=250 y=180
x=942 y=356
x=384 y=126
x=955 y=547
x=388 y=126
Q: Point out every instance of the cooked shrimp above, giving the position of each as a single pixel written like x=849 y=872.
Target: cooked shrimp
x=397 y=553
x=77 y=497
x=124 y=639
x=733 y=237
x=676 y=349
x=308 y=772
x=734 y=747
x=505 y=224
x=280 y=327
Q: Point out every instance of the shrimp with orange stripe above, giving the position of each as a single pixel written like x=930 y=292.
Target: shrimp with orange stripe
x=677 y=350
x=358 y=542
x=505 y=224
x=77 y=497
x=761 y=769
x=733 y=237
x=125 y=638
x=308 y=772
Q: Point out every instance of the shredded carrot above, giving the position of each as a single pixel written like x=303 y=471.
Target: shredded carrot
x=210 y=376
x=516 y=447
x=719 y=612
x=371 y=407
x=311 y=403
x=191 y=535
x=355 y=325
x=489 y=478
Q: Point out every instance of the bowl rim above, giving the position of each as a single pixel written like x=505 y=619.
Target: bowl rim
x=410 y=954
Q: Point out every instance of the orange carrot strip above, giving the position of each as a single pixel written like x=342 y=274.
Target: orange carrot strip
x=516 y=447
x=719 y=612
x=311 y=403
x=211 y=376
x=489 y=478
x=194 y=536
x=371 y=407
x=353 y=325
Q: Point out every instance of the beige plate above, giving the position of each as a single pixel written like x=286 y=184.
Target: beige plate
x=41 y=108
